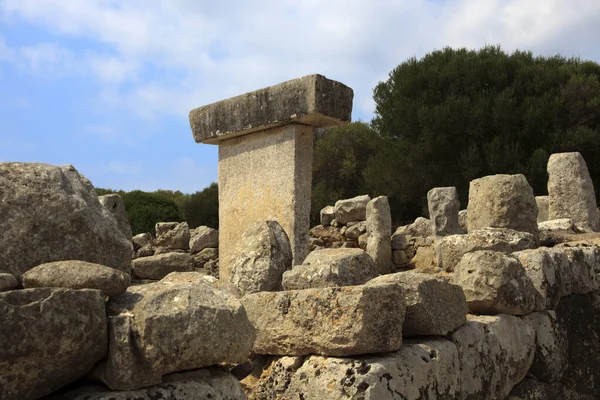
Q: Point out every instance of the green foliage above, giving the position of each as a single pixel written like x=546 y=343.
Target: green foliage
x=202 y=208
x=145 y=209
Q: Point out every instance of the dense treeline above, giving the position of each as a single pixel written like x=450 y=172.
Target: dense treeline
x=443 y=120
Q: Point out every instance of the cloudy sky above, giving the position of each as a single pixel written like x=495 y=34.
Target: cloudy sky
x=106 y=85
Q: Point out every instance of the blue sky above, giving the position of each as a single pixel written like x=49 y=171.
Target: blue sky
x=106 y=85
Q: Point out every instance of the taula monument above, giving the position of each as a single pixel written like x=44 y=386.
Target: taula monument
x=498 y=300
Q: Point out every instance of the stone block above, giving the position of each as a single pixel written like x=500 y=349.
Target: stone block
x=203 y=237
x=542 y=267
x=571 y=191
x=502 y=201
x=443 y=207
x=115 y=205
x=311 y=100
x=329 y=268
x=551 y=357
x=542 y=205
x=339 y=321
x=158 y=266
x=434 y=306
x=175 y=238
x=379 y=230
x=354 y=209
x=8 y=282
x=327 y=215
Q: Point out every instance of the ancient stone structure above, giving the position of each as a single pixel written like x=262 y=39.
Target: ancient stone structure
x=379 y=230
x=265 y=155
x=443 y=211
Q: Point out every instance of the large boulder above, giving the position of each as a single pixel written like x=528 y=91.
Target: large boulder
x=502 y=201
x=207 y=383
x=354 y=209
x=52 y=213
x=379 y=230
x=571 y=191
x=582 y=273
x=495 y=283
x=261 y=257
x=77 y=275
x=434 y=306
x=158 y=266
x=140 y=240
x=532 y=389
x=551 y=348
x=115 y=205
x=421 y=369
x=331 y=267
x=8 y=282
x=172 y=236
x=443 y=207
x=203 y=237
x=327 y=215
x=338 y=321
x=495 y=353
x=450 y=249
x=544 y=267
x=170 y=326
x=48 y=338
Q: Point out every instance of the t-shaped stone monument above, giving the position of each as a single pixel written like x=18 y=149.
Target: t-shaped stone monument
x=265 y=143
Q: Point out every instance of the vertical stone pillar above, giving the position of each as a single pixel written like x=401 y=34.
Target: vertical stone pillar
x=265 y=143
x=571 y=191
x=379 y=233
x=443 y=207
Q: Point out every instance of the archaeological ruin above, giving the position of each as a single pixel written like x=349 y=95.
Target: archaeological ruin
x=495 y=299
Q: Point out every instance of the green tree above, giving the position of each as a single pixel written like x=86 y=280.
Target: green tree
x=202 y=208
x=145 y=209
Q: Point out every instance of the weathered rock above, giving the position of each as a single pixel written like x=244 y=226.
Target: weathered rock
x=140 y=240
x=531 y=389
x=211 y=267
x=379 y=229
x=207 y=254
x=495 y=353
x=502 y=201
x=327 y=321
x=48 y=338
x=260 y=258
x=353 y=232
x=462 y=220
x=8 y=282
x=542 y=205
x=443 y=207
x=160 y=265
x=115 y=205
x=354 y=209
x=327 y=215
x=384 y=377
x=551 y=347
x=495 y=283
x=62 y=208
x=329 y=268
x=424 y=259
x=451 y=248
x=564 y=224
x=208 y=383
x=542 y=267
x=434 y=306
x=175 y=238
x=169 y=326
x=77 y=275
x=571 y=191
x=400 y=258
x=203 y=237
x=146 y=250
x=328 y=234
x=583 y=270
x=421 y=228
x=399 y=239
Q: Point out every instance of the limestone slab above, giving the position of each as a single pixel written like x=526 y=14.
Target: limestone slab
x=379 y=231
x=160 y=265
x=312 y=100
x=543 y=267
x=443 y=207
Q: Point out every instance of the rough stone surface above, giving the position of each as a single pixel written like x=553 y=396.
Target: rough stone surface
x=160 y=265
x=160 y=228
x=260 y=258
x=355 y=231
x=451 y=248
x=551 y=357
x=434 y=306
x=495 y=353
x=207 y=254
x=542 y=267
x=312 y=100
x=571 y=191
x=564 y=224
x=164 y=327
x=379 y=230
x=176 y=238
x=582 y=273
x=495 y=283
x=462 y=220
x=443 y=207
x=327 y=215
x=421 y=228
x=375 y=377
x=115 y=205
x=8 y=282
x=327 y=321
x=140 y=240
x=203 y=237
x=62 y=208
x=145 y=251
x=424 y=259
x=502 y=201
x=207 y=383
x=329 y=268
x=265 y=176
x=48 y=338
x=77 y=275
x=531 y=389
x=354 y=209
x=542 y=205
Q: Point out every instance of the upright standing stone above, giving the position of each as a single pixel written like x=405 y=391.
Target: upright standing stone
x=542 y=205
x=571 y=191
x=502 y=201
x=443 y=211
x=265 y=155
x=114 y=203
x=379 y=231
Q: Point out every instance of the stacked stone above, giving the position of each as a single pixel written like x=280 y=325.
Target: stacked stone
x=412 y=246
